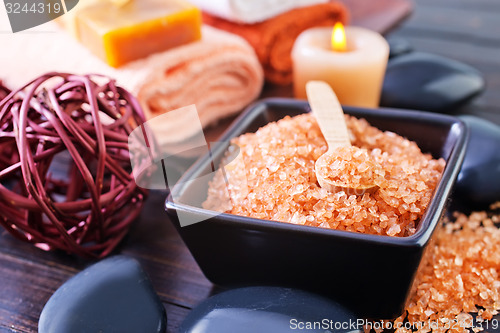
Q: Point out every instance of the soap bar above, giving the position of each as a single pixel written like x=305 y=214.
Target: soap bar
x=120 y=34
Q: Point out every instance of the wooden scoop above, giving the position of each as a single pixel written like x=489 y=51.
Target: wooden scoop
x=328 y=112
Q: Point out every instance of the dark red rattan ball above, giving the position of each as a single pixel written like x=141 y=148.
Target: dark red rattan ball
x=4 y=91
x=65 y=171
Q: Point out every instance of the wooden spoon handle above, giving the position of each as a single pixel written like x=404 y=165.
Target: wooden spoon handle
x=328 y=112
x=119 y=3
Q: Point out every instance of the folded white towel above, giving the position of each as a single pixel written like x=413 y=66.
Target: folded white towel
x=251 y=11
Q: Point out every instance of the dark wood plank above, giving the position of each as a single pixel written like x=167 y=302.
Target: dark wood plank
x=25 y=286
x=380 y=15
x=478 y=27
x=463 y=50
x=474 y=5
x=175 y=315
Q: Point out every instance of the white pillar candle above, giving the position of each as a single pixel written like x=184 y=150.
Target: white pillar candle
x=356 y=74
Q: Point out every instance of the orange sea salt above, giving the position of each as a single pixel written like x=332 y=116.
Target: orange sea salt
x=461 y=275
x=277 y=170
x=350 y=167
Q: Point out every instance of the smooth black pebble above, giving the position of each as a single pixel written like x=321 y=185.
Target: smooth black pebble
x=268 y=310
x=398 y=46
x=429 y=82
x=113 y=295
x=479 y=179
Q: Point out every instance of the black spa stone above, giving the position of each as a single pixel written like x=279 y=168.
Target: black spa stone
x=114 y=295
x=269 y=310
x=398 y=46
x=479 y=179
x=429 y=82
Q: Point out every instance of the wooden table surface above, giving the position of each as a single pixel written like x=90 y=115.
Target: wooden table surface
x=465 y=30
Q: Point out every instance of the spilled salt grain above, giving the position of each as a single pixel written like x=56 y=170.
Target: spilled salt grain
x=454 y=281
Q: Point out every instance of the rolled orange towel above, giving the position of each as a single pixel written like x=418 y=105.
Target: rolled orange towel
x=273 y=39
x=220 y=75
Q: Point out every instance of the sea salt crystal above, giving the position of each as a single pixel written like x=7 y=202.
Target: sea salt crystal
x=428 y=312
x=362 y=167
x=421 y=186
x=297 y=189
x=394 y=230
x=274 y=167
x=303 y=151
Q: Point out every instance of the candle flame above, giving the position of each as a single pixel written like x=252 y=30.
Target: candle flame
x=339 y=42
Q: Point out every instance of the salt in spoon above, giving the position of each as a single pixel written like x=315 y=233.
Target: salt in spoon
x=330 y=117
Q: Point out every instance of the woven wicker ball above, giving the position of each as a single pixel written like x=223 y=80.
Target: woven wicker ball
x=65 y=177
x=4 y=91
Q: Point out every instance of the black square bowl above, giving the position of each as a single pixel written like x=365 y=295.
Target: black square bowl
x=370 y=274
